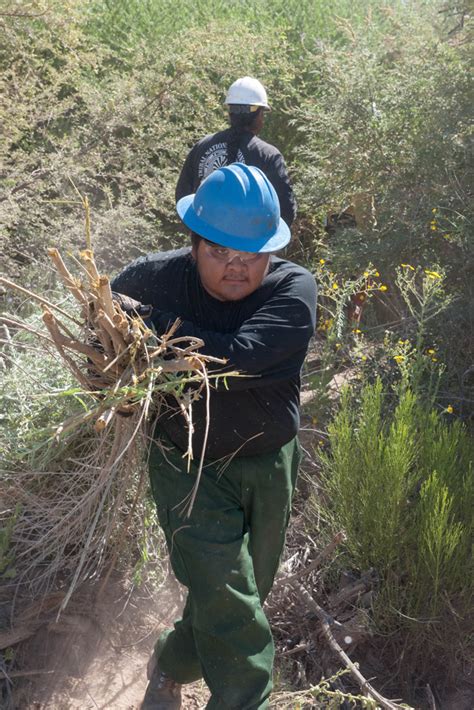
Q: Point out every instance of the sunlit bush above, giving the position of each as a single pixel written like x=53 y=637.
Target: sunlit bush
x=402 y=486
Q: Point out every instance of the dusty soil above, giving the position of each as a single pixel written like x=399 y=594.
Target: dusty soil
x=95 y=656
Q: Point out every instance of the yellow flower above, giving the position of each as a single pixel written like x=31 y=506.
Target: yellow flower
x=408 y=266
x=432 y=274
x=399 y=358
x=434 y=359
x=434 y=210
x=431 y=351
x=338 y=345
x=366 y=274
x=325 y=324
x=449 y=409
x=377 y=273
x=335 y=286
x=383 y=287
x=356 y=330
x=322 y=261
x=433 y=227
x=364 y=357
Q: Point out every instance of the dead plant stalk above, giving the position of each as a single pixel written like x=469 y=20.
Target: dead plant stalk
x=123 y=368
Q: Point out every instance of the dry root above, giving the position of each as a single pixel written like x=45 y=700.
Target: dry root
x=112 y=355
x=72 y=519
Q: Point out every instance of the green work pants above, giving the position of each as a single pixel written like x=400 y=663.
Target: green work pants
x=226 y=553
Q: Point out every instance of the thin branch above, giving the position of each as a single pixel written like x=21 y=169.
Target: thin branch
x=323 y=555
x=326 y=621
x=40 y=299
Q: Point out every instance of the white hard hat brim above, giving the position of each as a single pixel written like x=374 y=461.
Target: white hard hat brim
x=247 y=91
x=252 y=107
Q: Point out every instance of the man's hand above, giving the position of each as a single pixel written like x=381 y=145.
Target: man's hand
x=130 y=306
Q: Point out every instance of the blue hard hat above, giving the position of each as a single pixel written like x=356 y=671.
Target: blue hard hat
x=237 y=207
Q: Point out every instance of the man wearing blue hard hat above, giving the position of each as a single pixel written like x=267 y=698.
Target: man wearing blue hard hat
x=258 y=311
x=247 y=104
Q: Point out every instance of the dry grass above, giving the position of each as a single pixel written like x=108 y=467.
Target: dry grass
x=69 y=518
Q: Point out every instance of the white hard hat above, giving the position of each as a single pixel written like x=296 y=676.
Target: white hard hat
x=247 y=91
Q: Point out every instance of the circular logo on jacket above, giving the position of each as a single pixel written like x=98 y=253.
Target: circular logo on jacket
x=216 y=157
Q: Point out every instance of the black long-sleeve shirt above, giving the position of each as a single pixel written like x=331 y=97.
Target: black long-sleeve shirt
x=264 y=336
x=210 y=153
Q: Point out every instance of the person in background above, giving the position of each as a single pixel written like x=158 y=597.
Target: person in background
x=258 y=311
x=247 y=103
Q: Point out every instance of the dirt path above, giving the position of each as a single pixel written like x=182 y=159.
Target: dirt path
x=96 y=655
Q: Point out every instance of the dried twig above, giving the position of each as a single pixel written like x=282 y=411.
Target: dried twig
x=326 y=621
x=323 y=555
x=63 y=271
x=40 y=299
x=122 y=367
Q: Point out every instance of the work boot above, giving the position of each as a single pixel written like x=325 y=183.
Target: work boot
x=162 y=693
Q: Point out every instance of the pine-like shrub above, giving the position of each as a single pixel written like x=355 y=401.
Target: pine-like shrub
x=400 y=482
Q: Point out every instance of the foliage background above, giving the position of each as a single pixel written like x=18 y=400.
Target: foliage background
x=371 y=108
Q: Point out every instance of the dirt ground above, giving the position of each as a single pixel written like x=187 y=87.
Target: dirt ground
x=95 y=656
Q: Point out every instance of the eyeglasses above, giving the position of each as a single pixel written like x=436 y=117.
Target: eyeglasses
x=226 y=255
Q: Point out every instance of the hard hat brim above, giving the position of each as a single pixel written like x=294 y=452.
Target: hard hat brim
x=275 y=242
x=236 y=107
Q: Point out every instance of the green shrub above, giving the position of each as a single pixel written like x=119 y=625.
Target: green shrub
x=400 y=482
x=127 y=26
x=72 y=117
x=387 y=130
x=385 y=133
x=36 y=396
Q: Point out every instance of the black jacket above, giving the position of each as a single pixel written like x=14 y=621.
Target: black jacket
x=264 y=336
x=210 y=153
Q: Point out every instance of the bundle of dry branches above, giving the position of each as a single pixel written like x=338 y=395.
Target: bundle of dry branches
x=68 y=521
x=112 y=354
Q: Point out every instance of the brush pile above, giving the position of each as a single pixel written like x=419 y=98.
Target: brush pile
x=68 y=510
x=108 y=351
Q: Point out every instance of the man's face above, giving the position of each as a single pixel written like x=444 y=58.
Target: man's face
x=226 y=274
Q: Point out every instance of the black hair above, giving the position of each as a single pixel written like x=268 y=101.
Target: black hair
x=240 y=123
x=195 y=239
